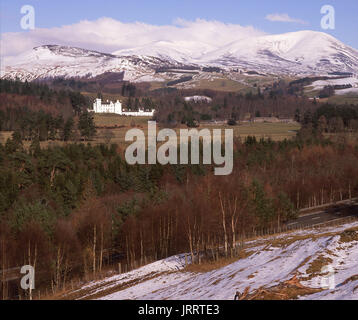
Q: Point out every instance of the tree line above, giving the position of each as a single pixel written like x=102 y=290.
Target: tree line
x=38 y=126
x=329 y=118
x=35 y=112
x=41 y=94
x=173 y=109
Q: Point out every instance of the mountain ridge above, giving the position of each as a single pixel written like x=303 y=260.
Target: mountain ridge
x=295 y=53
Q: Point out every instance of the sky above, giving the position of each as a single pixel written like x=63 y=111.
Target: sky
x=87 y=23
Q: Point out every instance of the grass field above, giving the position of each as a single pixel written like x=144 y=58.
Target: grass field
x=113 y=120
x=344 y=99
x=222 y=85
x=157 y=85
x=119 y=125
x=225 y=85
x=275 y=131
x=242 y=84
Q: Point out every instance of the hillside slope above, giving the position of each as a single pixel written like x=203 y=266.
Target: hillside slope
x=295 y=53
x=51 y=61
x=268 y=265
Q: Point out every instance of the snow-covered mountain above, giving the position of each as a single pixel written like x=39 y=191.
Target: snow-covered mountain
x=296 y=53
x=51 y=61
x=183 y=51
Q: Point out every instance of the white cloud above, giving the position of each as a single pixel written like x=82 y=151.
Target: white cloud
x=110 y=35
x=283 y=17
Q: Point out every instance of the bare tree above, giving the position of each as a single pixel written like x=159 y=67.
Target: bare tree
x=223 y=215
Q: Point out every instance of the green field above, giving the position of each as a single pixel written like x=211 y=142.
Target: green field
x=222 y=85
x=345 y=99
x=243 y=83
x=113 y=120
x=112 y=129
x=275 y=131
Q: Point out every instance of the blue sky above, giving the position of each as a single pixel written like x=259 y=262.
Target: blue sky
x=53 y=13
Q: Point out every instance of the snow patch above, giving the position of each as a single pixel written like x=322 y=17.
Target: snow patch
x=268 y=263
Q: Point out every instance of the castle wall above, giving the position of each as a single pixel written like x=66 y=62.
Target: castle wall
x=116 y=108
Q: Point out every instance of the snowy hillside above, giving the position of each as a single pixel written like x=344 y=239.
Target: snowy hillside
x=296 y=53
x=52 y=61
x=320 y=84
x=268 y=265
x=183 y=51
x=349 y=81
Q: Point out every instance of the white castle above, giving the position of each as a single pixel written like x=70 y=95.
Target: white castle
x=198 y=99
x=116 y=108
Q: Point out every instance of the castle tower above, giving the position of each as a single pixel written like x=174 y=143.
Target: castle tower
x=97 y=105
x=118 y=107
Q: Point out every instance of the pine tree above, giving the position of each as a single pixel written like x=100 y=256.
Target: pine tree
x=68 y=130
x=35 y=147
x=86 y=126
